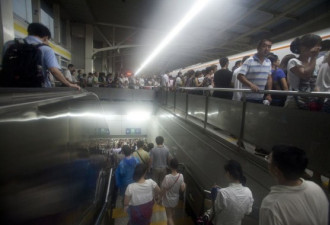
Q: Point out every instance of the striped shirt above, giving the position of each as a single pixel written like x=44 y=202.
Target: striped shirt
x=257 y=73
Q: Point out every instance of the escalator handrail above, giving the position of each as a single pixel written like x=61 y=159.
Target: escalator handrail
x=273 y=92
x=105 y=204
x=51 y=100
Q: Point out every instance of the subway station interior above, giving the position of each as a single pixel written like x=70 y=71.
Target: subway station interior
x=57 y=144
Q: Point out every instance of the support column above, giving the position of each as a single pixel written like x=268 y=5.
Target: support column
x=89 y=49
x=109 y=61
x=105 y=67
x=68 y=35
x=57 y=23
x=7 y=22
x=36 y=11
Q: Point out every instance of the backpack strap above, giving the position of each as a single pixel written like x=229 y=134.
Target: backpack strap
x=137 y=151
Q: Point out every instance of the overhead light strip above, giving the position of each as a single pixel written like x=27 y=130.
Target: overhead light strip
x=195 y=9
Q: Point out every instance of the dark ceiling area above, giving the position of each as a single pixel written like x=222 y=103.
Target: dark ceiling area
x=131 y=29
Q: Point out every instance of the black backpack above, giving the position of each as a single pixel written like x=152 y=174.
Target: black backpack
x=22 y=65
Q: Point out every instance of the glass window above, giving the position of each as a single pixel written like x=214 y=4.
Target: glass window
x=23 y=9
x=48 y=21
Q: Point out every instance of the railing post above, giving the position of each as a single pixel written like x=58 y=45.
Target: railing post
x=174 y=106
x=166 y=96
x=206 y=111
x=187 y=98
x=241 y=135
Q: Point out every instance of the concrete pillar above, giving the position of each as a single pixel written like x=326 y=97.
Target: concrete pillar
x=109 y=61
x=57 y=23
x=7 y=22
x=105 y=67
x=89 y=48
x=68 y=35
x=113 y=62
x=36 y=11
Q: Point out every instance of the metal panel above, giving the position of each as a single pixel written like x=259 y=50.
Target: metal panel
x=44 y=150
x=116 y=94
x=170 y=99
x=225 y=114
x=181 y=101
x=267 y=126
x=196 y=106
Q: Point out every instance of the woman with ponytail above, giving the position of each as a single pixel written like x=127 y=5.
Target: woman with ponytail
x=300 y=71
x=235 y=201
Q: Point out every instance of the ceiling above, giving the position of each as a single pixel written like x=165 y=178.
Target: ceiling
x=222 y=28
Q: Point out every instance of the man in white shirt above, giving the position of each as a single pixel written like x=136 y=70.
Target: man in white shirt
x=165 y=80
x=294 y=200
x=69 y=72
x=236 y=83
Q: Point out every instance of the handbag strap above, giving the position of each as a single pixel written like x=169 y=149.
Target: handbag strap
x=174 y=182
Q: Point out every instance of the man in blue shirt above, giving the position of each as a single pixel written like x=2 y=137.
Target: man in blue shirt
x=38 y=34
x=256 y=73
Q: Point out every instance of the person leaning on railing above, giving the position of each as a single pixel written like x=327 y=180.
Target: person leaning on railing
x=300 y=72
x=323 y=81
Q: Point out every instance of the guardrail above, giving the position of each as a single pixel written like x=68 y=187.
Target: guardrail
x=263 y=126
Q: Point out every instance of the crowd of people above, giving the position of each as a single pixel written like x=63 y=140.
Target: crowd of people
x=143 y=178
x=140 y=162
x=101 y=79
x=306 y=70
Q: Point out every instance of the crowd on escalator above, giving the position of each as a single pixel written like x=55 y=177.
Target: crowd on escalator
x=147 y=175
x=306 y=70
x=31 y=62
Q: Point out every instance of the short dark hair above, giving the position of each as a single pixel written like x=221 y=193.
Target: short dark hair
x=261 y=42
x=208 y=69
x=159 y=140
x=140 y=171
x=272 y=57
x=38 y=29
x=126 y=150
x=174 y=164
x=235 y=170
x=198 y=72
x=150 y=146
x=140 y=143
x=325 y=45
x=291 y=161
x=70 y=65
x=223 y=61
x=245 y=58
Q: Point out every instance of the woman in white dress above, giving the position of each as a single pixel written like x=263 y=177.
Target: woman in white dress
x=139 y=197
x=171 y=186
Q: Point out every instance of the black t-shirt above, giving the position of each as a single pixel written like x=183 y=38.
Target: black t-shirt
x=222 y=79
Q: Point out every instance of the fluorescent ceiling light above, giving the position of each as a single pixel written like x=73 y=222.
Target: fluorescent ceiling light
x=196 y=8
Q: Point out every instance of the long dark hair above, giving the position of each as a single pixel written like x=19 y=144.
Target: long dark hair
x=235 y=170
x=308 y=41
x=139 y=171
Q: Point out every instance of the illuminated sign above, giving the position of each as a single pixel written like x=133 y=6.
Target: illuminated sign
x=133 y=131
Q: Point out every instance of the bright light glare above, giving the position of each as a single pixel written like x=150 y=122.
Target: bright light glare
x=138 y=115
x=197 y=7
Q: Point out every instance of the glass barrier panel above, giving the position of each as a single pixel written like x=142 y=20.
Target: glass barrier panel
x=196 y=106
x=266 y=126
x=225 y=114
x=170 y=99
x=180 y=102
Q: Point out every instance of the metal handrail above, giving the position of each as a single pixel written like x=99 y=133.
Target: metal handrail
x=273 y=92
x=52 y=99
x=104 y=207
